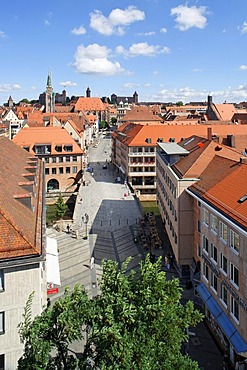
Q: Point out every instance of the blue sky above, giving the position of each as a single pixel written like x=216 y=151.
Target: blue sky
x=165 y=50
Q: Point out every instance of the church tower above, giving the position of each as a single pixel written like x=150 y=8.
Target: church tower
x=49 y=96
x=88 y=93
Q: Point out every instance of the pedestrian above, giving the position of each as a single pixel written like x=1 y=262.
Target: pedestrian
x=167 y=262
x=76 y=234
x=68 y=229
x=125 y=195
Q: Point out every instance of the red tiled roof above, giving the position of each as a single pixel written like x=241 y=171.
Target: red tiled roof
x=178 y=132
x=46 y=135
x=20 y=225
x=201 y=153
x=223 y=184
x=89 y=104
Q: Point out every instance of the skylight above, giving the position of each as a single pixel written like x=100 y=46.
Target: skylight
x=243 y=199
x=189 y=141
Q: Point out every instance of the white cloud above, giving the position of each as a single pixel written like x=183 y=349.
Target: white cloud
x=188 y=17
x=243 y=28
x=94 y=59
x=116 y=22
x=68 y=84
x=243 y=67
x=197 y=70
x=9 y=87
x=163 y=30
x=79 y=31
x=130 y=85
x=142 y=48
x=2 y=34
x=187 y=94
x=151 y=33
x=46 y=23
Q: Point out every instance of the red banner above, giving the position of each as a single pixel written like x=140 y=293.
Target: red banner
x=52 y=291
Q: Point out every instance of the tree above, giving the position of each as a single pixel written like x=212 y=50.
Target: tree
x=113 y=120
x=136 y=323
x=53 y=331
x=61 y=207
x=179 y=103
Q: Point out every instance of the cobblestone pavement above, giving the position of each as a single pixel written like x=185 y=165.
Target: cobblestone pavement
x=112 y=218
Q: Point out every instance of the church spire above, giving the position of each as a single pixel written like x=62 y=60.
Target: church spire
x=48 y=84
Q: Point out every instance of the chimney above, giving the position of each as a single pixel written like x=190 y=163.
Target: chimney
x=243 y=160
x=210 y=133
x=231 y=139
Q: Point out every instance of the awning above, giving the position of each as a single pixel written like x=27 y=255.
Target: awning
x=237 y=342
x=52 y=263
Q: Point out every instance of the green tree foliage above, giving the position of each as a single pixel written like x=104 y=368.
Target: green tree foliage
x=179 y=103
x=113 y=120
x=61 y=207
x=136 y=323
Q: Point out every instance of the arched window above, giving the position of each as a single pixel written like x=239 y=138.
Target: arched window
x=52 y=184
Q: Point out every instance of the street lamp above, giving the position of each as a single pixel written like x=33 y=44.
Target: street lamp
x=85 y=219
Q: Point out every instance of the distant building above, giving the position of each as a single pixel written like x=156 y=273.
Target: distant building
x=128 y=99
x=64 y=159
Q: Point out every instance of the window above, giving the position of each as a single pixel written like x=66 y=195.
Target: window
x=54 y=159
x=198 y=203
x=46 y=159
x=2 y=365
x=223 y=263
x=47 y=171
x=234 y=308
x=205 y=244
x=214 y=253
x=68 y=148
x=67 y=158
x=2 y=323
x=60 y=159
x=54 y=171
x=205 y=271
x=74 y=158
x=1 y=280
x=234 y=240
x=60 y=170
x=234 y=274
x=214 y=282
x=223 y=232
x=205 y=216
x=214 y=224
x=74 y=169
x=199 y=253
x=223 y=294
x=27 y=148
x=67 y=169
x=58 y=148
x=199 y=226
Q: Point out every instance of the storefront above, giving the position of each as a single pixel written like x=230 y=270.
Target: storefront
x=231 y=342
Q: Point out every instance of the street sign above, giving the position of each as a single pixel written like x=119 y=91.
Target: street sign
x=52 y=291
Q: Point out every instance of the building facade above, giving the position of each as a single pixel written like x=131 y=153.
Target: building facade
x=63 y=158
x=22 y=245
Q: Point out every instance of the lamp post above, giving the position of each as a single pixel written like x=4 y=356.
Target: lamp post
x=85 y=219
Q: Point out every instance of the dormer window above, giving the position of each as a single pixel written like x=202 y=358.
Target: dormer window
x=58 y=148
x=68 y=148
x=148 y=140
x=160 y=140
x=27 y=148
x=41 y=149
